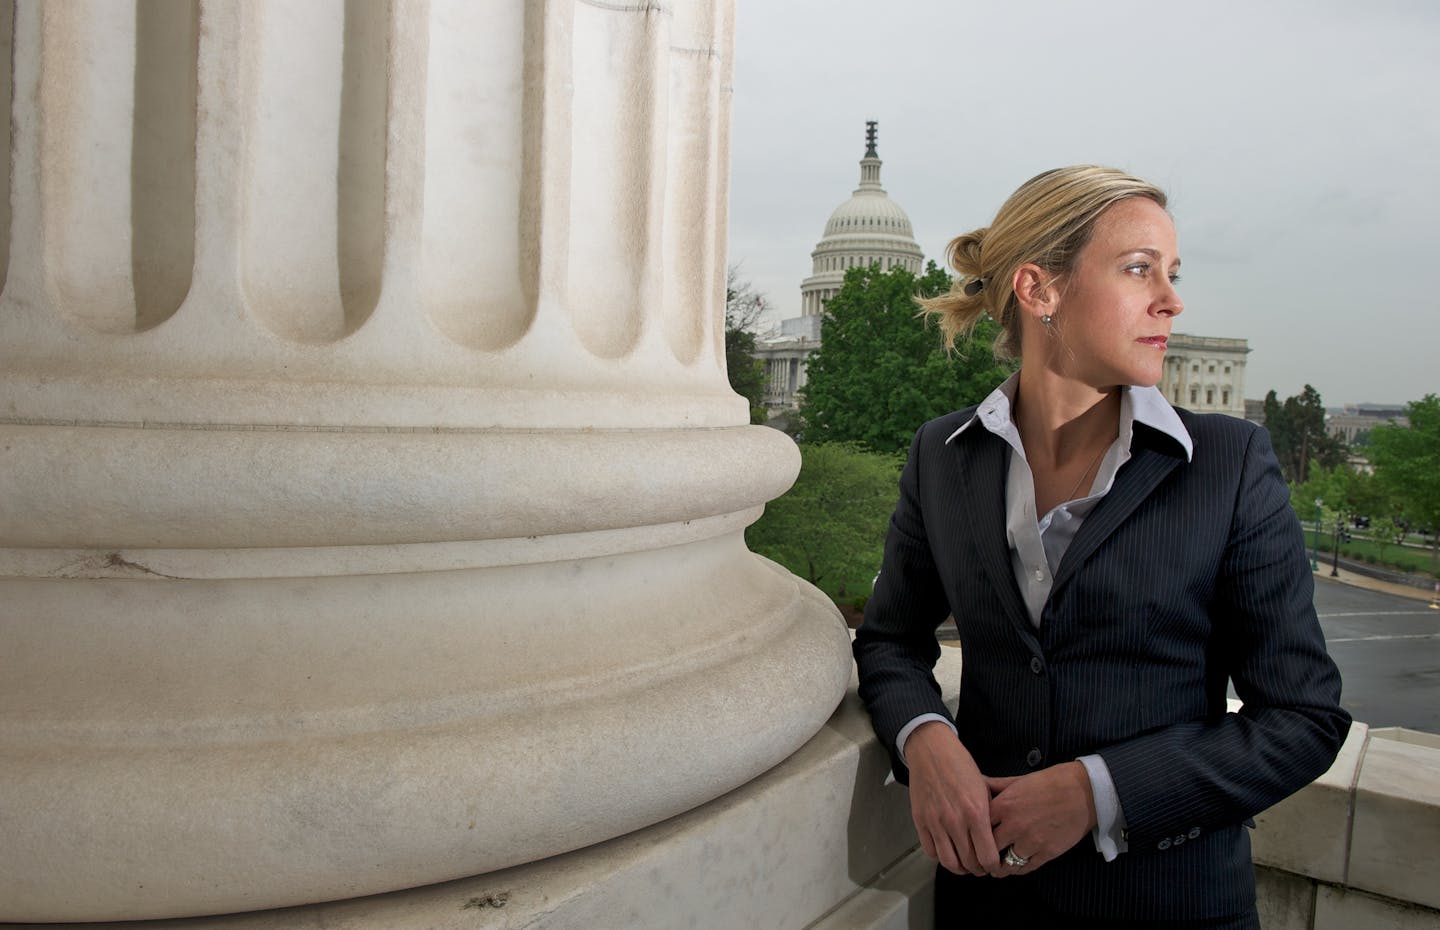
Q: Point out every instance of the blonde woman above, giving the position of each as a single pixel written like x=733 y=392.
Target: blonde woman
x=1111 y=562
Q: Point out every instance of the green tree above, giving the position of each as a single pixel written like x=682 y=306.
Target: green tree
x=1304 y=494
x=830 y=527
x=1407 y=463
x=1297 y=431
x=1332 y=487
x=1346 y=493
x=743 y=309
x=1386 y=531
x=880 y=371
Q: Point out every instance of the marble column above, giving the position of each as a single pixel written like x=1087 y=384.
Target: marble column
x=372 y=494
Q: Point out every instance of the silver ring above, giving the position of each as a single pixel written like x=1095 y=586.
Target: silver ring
x=1012 y=860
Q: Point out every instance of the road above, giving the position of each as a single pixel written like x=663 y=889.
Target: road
x=1388 y=650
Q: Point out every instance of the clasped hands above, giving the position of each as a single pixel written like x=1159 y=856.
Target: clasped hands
x=965 y=819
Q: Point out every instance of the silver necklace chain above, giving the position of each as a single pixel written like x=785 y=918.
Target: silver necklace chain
x=1093 y=463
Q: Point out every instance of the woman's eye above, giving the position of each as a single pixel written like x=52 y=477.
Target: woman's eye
x=1140 y=268
x=1174 y=278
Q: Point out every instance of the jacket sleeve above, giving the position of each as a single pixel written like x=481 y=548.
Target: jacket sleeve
x=1219 y=772
x=895 y=647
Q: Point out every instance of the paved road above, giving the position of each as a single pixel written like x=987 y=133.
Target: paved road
x=1388 y=650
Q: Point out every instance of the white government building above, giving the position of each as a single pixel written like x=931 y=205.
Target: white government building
x=867 y=229
x=1205 y=374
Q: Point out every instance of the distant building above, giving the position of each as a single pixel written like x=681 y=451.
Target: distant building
x=1206 y=374
x=785 y=357
x=868 y=229
x=1351 y=420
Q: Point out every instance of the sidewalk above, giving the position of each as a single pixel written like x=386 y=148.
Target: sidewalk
x=1374 y=584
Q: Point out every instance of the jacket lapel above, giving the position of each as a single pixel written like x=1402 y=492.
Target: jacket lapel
x=983 y=461
x=1149 y=463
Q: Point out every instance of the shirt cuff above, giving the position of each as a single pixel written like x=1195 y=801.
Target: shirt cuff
x=913 y=725
x=1109 y=832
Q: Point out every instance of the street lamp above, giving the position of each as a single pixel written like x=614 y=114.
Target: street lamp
x=1315 y=549
x=1339 y=525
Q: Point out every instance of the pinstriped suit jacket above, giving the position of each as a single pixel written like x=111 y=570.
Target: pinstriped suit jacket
x=1183 y=576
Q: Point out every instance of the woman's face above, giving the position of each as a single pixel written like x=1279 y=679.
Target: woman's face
x=1114 y=312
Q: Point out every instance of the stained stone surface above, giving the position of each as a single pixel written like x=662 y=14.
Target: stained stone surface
x=372 y=494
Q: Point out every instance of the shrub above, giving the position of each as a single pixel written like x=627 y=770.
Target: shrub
x=830 y=527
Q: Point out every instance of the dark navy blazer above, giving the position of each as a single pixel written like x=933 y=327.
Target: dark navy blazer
x=1184 y=576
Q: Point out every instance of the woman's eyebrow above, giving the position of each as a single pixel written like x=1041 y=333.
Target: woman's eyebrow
x=1153 y=253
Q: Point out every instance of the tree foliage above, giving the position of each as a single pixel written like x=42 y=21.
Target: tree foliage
x=1407 y=463
x=743 y=309
x=1346 y=493
x=1386 y=531
x=880 y=371
x=830 y=527
x=1297 y=431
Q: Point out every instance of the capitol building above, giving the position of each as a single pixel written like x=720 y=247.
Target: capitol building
x=1205 y=374
x=868 y=229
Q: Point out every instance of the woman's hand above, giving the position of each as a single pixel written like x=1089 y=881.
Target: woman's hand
x=1043 y=814
x=950 y=802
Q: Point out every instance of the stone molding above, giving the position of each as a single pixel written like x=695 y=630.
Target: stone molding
x=823 y=841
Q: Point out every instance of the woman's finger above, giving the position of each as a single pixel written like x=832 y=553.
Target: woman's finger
x=987 y=854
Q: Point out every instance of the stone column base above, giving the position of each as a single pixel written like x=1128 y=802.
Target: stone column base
x=818 y=842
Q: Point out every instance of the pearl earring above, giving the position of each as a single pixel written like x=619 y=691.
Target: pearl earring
x=1047 y=319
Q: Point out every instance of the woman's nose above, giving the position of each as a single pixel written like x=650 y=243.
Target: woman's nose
x=1170 y=302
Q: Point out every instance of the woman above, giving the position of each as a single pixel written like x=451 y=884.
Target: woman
x=1110 y=563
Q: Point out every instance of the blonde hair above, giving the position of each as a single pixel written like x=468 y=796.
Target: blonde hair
x=1046 y=222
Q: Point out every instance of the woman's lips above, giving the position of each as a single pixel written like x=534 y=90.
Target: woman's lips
x=1156 y=341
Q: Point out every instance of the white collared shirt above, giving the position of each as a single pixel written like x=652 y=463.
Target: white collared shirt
x=1037 y=545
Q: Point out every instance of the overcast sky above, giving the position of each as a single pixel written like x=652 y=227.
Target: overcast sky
x=1299 y=143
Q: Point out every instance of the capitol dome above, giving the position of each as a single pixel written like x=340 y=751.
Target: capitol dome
x=869 y=211
x=869 y=228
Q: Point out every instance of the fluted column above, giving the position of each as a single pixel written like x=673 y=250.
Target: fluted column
x=372 y=495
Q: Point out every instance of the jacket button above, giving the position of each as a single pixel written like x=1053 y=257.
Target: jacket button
x=1033 y=758
x=1036 y=665
x=1194 y=832
x=1179 y=839
x=1164 y=844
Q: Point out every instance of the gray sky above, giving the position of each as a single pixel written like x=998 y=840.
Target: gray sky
x=1299 y=143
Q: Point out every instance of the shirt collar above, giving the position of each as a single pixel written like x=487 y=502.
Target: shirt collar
x=1150 y=407
x=1137 y=405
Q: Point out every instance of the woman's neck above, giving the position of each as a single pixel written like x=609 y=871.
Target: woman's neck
x=1061 y=420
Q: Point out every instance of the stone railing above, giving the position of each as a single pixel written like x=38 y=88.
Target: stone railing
x=1360 y=846
x=824 y=842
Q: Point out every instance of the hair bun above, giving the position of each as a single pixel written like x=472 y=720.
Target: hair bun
x=964 y=252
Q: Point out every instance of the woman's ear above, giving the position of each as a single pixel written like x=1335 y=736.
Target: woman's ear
x=1035 y=290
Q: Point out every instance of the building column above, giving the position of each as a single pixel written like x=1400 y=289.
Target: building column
x=372 y=494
